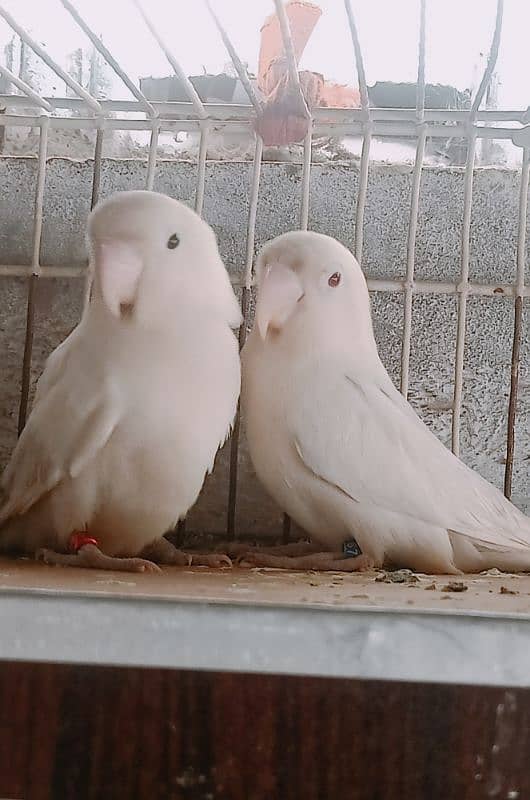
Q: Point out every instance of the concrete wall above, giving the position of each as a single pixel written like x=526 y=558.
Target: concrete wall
x=332 y=204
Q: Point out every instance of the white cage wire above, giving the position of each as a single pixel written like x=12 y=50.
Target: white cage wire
x=103 y=116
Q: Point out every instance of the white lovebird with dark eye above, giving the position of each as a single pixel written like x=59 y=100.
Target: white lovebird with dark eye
x=132 y=407
x=338 y=447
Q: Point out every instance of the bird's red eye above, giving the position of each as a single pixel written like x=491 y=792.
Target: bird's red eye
x=334 y=279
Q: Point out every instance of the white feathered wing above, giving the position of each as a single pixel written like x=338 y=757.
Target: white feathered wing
x=361 y=436
x=72 y=419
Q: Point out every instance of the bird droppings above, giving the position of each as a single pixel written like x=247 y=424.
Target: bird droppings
x=505 y=590
x=397 y=576
x=455 y=586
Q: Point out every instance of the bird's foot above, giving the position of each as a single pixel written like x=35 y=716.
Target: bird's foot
x=328 y=562
x=164 y=552
x=90 y=557
x=215 y=560
x=240 y=549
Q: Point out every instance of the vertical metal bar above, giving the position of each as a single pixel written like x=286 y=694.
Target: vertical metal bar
x=96 y=175
x=201 y=167
x=411 y=251
x=28 y=349
x=414 y=206
x=36 y=271
x=518 y=322
x=362 y=193
x=420 y=88
x=245 y=309
x=306 y=178
x=96 y=183
x=151 y=158
x=463 y=287
x=365 y=154
x=251 y=233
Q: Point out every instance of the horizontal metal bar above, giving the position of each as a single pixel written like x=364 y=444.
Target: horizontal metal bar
x=446 y=287
x=380 y=130
x=396 y=285
x=242 y=112
x=93 y=123
x=23 y=271
x=410 y=130
x=432 y=115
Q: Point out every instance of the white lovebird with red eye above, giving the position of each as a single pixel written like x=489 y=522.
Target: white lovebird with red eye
x=338 y=447
x=132 y=407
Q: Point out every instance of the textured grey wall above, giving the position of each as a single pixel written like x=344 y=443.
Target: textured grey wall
x=332 y=208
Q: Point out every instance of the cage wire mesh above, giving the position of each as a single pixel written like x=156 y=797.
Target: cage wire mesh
x=104 y=116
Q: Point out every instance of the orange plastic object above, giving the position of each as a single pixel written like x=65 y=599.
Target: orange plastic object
x=337 y=95
x=303 y=17
x=284 y=116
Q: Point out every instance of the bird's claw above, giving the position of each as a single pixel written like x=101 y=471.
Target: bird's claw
x=142 y=565
x=92 y=558
x=45 y=555
x=247 y=559
x=181 y=559
x=214 y=560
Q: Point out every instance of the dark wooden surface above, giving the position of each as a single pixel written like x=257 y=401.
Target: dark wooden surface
x=83 y=732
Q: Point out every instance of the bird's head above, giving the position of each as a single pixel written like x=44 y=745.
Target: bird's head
x=309 y=280
x=152 y=255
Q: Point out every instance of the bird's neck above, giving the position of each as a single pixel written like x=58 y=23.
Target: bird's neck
x=184 y=321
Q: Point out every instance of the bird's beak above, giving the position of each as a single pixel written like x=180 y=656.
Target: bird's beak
x=279 y=292
x=118 y=266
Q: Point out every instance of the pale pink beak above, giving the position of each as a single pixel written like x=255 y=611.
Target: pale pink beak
x=118 y=266
x=279 y=292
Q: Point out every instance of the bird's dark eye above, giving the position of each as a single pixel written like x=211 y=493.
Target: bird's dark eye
x=334 y=279
x=173 y=241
